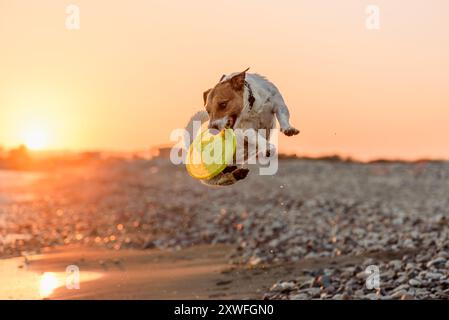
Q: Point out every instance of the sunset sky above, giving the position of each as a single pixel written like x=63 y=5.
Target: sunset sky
x=136 y=70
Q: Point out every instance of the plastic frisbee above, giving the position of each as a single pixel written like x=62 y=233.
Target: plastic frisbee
x=209 y=154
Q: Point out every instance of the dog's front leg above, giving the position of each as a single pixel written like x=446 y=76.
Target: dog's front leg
x=283 y=116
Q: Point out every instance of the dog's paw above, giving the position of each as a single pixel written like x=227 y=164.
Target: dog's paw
x=240 y=174
x=226 y=179
x=289 y=131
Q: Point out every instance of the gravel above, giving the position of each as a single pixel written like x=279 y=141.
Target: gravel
x=391 y=215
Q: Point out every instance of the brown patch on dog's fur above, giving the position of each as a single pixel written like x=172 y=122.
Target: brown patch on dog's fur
x=226 y=99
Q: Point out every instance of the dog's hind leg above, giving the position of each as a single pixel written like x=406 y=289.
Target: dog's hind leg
x=283 y=116
x=229 y=176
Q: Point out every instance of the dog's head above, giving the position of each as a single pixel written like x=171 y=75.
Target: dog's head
x=224 y=102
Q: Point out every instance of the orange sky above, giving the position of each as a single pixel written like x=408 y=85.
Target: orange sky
x=136 y=70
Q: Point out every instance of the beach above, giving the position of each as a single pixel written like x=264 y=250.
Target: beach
x=144 y=229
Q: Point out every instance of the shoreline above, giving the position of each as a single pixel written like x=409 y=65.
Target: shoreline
x=191 y=273
x=198 y=272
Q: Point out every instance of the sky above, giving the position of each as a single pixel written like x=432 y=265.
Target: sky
x=136 y=70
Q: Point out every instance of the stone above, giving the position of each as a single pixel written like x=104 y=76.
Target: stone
x=324 y=281
x=398 y=294
x=401 y=279
x=396 y=264
x=414 y=282
x=283 y=286
x=300 y=296
x=313 y=292
x=433 y=275
x=436 y=262
x=371 y=296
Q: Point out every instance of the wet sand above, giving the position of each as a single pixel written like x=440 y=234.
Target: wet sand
x=126 y=274
x=200 y=272
x=194 y=273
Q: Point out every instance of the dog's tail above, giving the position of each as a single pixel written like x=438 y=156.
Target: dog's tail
x=200 y=117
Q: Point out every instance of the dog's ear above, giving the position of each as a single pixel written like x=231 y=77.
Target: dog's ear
x=205 y=94
x=238 y=81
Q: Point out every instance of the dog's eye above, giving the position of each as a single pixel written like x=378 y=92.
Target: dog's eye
x=223 y=104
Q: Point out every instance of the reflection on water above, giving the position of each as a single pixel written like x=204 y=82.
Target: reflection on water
x=50 y=281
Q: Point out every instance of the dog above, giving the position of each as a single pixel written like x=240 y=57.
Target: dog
x=244 y=101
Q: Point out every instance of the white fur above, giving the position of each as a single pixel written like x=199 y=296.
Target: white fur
x=268 y=103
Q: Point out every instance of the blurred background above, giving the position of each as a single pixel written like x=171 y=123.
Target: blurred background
x=134 y=72
x=85 y=117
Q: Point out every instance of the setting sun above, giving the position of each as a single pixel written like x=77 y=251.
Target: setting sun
x=36 y=138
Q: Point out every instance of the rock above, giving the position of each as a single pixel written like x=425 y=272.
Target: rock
x=414 y=282
x=368 y=262
x=283 y=286
x=408 y=243
x=401 y=279
x=313 y=292
x=274 y=243
x=371 y=296
x=312 y=255
x=423 y=257
x=398 y=294
x=407 y=297
x=300 y=296
x=410 y=266
x=254 y=261
x=401 y=287
x=359 y=293
x=436 y=262
x=307 y=283
x=324 y=281
x=433 y=275
x=396 y=264
x=387 y=274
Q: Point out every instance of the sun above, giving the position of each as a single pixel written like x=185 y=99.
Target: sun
x=36 y=138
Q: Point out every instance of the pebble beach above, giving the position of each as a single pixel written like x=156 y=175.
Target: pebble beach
x=391 y=215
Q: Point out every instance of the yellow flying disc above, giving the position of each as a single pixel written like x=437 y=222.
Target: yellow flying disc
x=209 y=154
